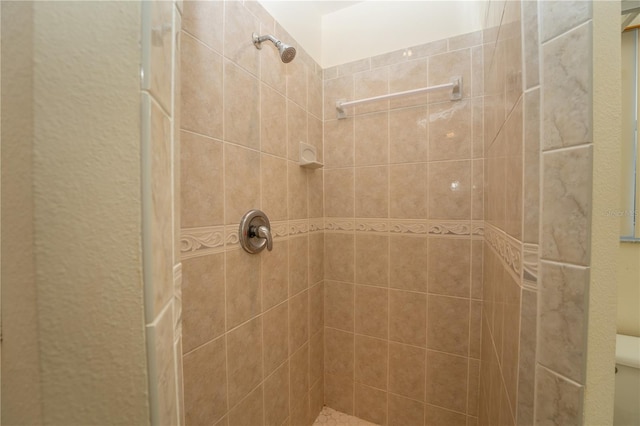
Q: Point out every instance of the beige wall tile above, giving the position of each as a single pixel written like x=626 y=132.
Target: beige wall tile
x=527 y=360
x=244 y=300
x=477 y=260
x=272 y=69
x=371 y=361
x=158 y=73
x=164 y=354
x=298 y=321
x=298 y=264
x=334 y=90
x=371 y=191
x=297 y=82
x=403 y=411
x=316 y=257
x=371 y=404
x=316 y=400
x=249 y=411
x=275 y=323
x=241 y=106
x=450 y=190
x=239 y=23
x=450 y=130
x=514 y=167
x=447 y=384
x=562 y=319
x=205 y=383
x=408 y=76
x=558 y=401
x=276 y=396
x=511 y=340
x=338 y=305
x=477 y=146
x=448 y=325
x=244 y=359
x=299 y=387
x=436 y=416
x=339 y=193
x=372 y=259
x=449 y=266
x=408 y=135
x=273 y=181
x=316 y=357
x=444 y=66
x=530 y=43
x=339 y=143
x=430 y=49
x=559 y=18
x=566 y=89
x=566 y=205
x=338 y=393
x=371 y=311
x=475 y=329
x=314 y=101
x=338 y=353
x=315 y=182
x=316 y=308
x=407 y=371
x=273 y=133
x=314 y=135
x=407 y=262
x=297 y=191
x=474 y=386
x=203 y=20
x=296 y=129
x=202 y=109
x=339 y=257
x=275 y=274
x=477 y=71
x=408 y=191
x=408 y=317
x=477 y=190
x=201 y=181
x=372 y=139
x=203 y=294
x=242 y=178
x=354 y=67
x=531 y=182
x=368 y=84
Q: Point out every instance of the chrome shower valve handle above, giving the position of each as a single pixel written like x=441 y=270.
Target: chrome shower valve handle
x=255 y=232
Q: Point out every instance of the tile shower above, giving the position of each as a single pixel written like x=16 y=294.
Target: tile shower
x=403 y=284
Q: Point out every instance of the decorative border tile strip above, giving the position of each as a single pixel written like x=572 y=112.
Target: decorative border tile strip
x=509 y=249
x=297 y=227
x=279 y=229
x=477 y=228
x=449 y=228
x=316 y=224
x=202 y=241
x=232 y=237
x=530 y=264
x=408 y=227
x=338 y=224
x=372 y=225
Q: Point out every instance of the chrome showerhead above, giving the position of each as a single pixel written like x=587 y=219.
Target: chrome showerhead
x=287 y=53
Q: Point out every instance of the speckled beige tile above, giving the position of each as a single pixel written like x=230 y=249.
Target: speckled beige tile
x=444 y=66
x=371 y=191
x=201 y=88
x=407 y=262
x=242 y=287
x=408 y=191
x=527 y=358
x=403 y=411
x=275 y=276
x=273 y=133
x=369 y=84
x=339 y=393
x=242 y=176
x=407 y=371
x=338 y=353
x=408 y=76
x=408 y=135
x=450 y=131
x=338 y=143
x=238 y=45
x=558 y=401
x=273 y=181
x=408 y=317
x=450 y=190
x=559 y=17
x=339 y=257
x=371 y=311
x=296 y=129
x=298 y=321
x=449 y=267
x=447 y=384
x=203 y=20
x=241 y=107
x=372 y=259
x=566 y=205
x=566 y=88
x=250 y=411
x=371 y=361
x=339 y=193
x=531 y=181
x=338 y=305
x=371 y=405
x=275 y=323
x=448 y=325
x=276 y=396
x=372 y=139
x=298 y=264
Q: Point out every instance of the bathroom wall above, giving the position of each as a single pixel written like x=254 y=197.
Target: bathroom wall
x=403 y=237
x=252 y=324
x=538 y=211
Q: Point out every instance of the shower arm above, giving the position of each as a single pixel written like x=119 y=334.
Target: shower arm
x=258 y=40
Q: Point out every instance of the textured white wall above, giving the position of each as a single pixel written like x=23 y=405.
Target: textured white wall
x=599 y=390
x=87 y=212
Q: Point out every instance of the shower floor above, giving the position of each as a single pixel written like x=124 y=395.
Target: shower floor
x=329 y=416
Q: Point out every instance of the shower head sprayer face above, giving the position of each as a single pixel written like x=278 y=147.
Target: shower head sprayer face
x=287 y=53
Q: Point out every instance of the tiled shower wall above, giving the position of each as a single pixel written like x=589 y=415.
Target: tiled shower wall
x=537 y=58
x=252 y=324
x=403 y=237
